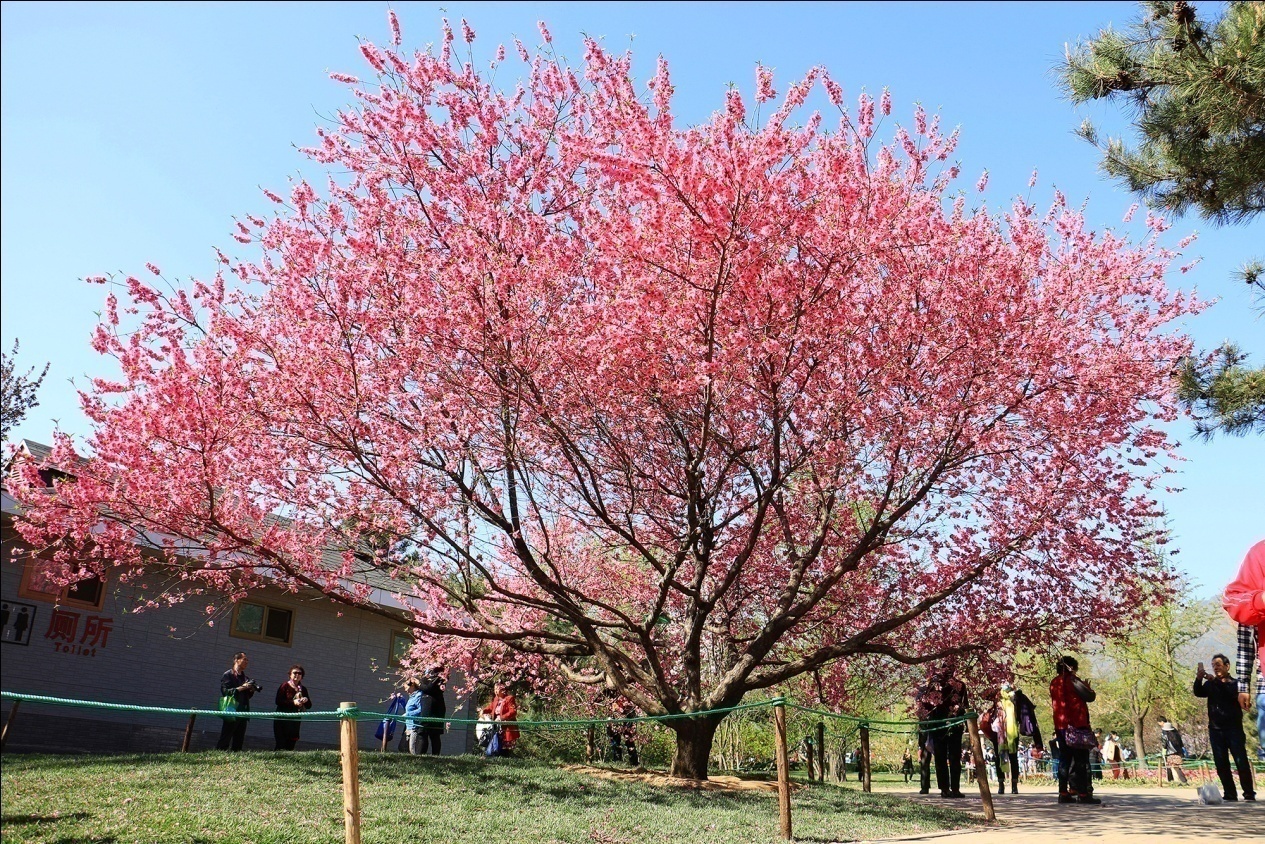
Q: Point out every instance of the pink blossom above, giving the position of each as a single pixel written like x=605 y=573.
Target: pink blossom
x=395 y=27
x=764 y=84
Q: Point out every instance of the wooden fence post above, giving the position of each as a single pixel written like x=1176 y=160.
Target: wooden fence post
x=811 y=761
x=981 y=774
x=864 y=768
x=13 y=713
x=350 y=754
x=188 y=734
x=821 y=751
x=591 y=746
x=783 y=770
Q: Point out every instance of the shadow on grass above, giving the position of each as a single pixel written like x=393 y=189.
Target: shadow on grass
x=24 y=820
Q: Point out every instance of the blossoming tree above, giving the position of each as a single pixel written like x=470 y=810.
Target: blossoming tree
x=678 y=412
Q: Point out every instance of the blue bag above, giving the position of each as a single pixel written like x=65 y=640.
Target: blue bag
x=395 y=706
x=494 y=744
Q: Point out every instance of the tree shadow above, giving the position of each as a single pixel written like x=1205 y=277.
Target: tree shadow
x=23 y=820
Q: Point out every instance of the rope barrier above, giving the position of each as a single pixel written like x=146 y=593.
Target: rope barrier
x=874 y=724
x=366 y=715
x=929 y=725
x=330 y=715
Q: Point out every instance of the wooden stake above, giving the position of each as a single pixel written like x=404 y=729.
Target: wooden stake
x=188 y=734
x=821 y=751
x=864 y=773
x=591 y=747
x=13 y=713
x=350 y=754
x=981 y=775
x=783 y=771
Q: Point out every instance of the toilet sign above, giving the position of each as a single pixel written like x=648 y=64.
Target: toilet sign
x=18 y=619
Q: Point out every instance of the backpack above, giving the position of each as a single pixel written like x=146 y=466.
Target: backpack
x=1026 y=715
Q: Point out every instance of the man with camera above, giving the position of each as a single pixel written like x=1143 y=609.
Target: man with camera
x=235 y=684
x=1225 y=726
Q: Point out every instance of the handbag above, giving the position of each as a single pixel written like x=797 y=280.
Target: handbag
x=494 y=744
x=228 y=705
x=1080 y=738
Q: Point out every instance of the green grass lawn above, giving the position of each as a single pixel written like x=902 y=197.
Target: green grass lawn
x=267 y=797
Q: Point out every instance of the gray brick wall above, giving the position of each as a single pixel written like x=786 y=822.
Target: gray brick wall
x=171 y=657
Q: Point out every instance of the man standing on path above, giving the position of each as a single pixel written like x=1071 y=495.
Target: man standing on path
x=1068 y=696
x=1244 y=600
x=1225 y=726
x=942 y=698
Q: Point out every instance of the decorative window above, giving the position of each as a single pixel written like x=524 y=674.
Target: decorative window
x=262 y=622
x=37 y=583
x=400 y=644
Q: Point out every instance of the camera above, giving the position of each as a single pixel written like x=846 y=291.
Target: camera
x=254 y=685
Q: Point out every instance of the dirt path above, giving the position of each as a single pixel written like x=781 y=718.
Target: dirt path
x=1127 y=815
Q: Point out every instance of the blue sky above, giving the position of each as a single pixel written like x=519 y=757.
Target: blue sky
x=134 y=133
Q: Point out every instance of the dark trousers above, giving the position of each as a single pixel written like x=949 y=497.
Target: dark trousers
x=946 y=747
x=430 y=741
x=924 y=763
x=1074 y=772
x=1013 y=758
x=1225 y=744
x=232 y=734
x=286 y=733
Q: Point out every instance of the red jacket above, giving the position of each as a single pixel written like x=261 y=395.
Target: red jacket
x=1067 y=707
x=1244 y=598
x=504 y=708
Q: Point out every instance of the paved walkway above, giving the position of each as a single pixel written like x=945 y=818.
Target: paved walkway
x=1127 y=815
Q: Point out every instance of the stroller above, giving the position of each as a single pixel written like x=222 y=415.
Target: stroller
x=484 y=732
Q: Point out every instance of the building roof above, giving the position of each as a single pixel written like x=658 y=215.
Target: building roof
x=386 y=589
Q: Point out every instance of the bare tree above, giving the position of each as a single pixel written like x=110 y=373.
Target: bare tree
x=18 y=391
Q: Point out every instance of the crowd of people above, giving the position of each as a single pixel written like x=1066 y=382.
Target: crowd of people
x=418 y=707
x=1078 y=754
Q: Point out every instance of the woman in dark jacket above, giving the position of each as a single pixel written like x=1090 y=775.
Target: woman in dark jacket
x=235 y=682
x=291 y=697
x=433 y=706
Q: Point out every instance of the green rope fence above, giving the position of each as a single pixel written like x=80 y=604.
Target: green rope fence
x=369 y=715
x=857 y=722
x=887 y=726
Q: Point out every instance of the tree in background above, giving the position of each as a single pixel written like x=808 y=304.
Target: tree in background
x=1197 y=94
x=682 y=413
x=1147 y=666
x=17 y=392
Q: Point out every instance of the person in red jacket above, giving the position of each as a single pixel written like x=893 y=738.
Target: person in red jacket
x=502 y=708
x=1068 y=696
x=1244 y=600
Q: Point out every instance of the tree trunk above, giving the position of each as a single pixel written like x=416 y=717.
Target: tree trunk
x=694 y=739
x=1139 y=743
